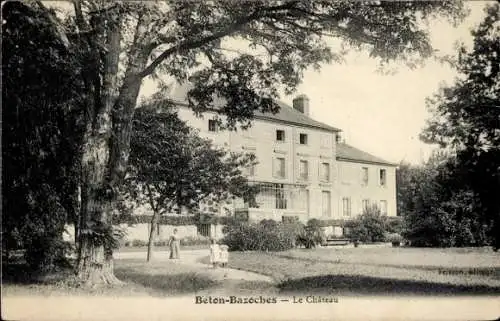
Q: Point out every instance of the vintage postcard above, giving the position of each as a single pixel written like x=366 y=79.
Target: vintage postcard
x=250 y=160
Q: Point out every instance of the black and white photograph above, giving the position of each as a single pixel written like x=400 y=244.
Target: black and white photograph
x=250 y=160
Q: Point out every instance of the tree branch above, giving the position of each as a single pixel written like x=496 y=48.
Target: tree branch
x=227 y=30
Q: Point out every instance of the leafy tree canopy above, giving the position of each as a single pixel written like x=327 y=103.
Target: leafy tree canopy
x=466 y=119
x=41 y=134
x=172 y=167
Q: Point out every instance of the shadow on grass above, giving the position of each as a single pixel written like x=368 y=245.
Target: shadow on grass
x=20 y=273
x=365 y=285
x=492 y=272
x=165 y=284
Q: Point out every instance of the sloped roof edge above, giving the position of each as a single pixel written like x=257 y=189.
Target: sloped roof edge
x=350 y=153
x=286 y=115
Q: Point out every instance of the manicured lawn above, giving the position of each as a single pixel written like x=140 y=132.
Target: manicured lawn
x=339 y=271
x=378 y=271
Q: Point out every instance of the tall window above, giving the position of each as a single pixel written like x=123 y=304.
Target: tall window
x=324 y=174
x=383 y=177
x=279 y=167
x=303 y=139
x=280 y=135
x=346 y=206
x=365 y=204
x=281 y=199
x=326 y=204
x=212 y=125
x=364 y=176
x=383 y=207
x=326 y=141
x=304 y=170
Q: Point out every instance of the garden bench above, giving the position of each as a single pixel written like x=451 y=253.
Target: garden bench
x=330 y=242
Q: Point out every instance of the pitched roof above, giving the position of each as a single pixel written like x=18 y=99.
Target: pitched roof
x=289 y=115
x=286 y=114
x=347 y=152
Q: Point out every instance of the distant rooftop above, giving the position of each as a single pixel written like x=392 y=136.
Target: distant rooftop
x=349 y=153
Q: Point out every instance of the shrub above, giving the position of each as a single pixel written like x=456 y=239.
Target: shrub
x=175 y=220
x=195 y=240
x=268 y=235
x=160 y=243
x=312 y=235
x=394 y=225
x=47 y=253
x=369 y=226
x=393 y=237
x=139 y=243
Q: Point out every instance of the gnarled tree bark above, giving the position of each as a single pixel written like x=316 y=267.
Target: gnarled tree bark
x=106 y=146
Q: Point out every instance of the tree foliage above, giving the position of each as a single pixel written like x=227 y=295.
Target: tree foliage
x=172 y=167
x=466 y=120
x=41 y=135
x=436 y=211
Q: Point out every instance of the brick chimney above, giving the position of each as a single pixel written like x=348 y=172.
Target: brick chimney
x=301 y=104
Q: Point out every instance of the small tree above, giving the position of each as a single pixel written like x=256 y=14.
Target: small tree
x=312 y=235
x=171 y=167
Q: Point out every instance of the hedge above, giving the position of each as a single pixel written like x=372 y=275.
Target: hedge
x=341 y=223
x=176 y=220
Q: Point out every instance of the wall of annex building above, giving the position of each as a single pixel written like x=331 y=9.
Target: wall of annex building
x=353 y=186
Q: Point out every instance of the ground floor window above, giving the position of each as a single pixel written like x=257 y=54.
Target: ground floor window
x=204 y=230
x=326 y=203
x=281 y=196
x=383 y=207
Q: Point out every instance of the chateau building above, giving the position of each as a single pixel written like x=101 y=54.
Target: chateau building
x=303 y=170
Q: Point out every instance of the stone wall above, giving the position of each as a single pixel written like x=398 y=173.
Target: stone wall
x=141 y=232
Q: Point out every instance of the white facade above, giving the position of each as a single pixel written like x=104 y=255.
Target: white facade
x=299 y=172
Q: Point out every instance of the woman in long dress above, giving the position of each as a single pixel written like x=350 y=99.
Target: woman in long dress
x=175 y=245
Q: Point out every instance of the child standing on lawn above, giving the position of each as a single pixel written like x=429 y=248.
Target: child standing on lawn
x=224 y=255
x=214 y=253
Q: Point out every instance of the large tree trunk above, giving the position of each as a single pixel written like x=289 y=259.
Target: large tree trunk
x=95 y=258
x=105 y=155
x=95 y=264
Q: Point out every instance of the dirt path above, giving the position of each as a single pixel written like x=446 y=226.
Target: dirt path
x=194 y=258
